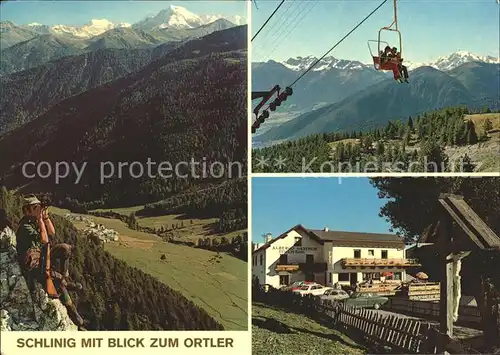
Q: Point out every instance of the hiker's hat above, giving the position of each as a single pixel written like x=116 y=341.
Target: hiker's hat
x=31 y=200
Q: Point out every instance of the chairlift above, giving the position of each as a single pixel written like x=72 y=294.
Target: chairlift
x=380 y=45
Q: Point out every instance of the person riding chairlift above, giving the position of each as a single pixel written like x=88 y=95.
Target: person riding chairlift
x=389 y=62
x=402 y=68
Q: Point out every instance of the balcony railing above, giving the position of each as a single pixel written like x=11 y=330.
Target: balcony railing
x=303 y=267
x=377 y=263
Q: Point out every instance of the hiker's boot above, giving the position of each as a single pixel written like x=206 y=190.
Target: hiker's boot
x=65 y=270
x=74 y=315
x=74 y=286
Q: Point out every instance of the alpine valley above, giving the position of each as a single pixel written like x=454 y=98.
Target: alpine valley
x=170 y=88
x=341 y=97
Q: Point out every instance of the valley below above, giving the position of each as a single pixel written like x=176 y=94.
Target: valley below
x=216 y=282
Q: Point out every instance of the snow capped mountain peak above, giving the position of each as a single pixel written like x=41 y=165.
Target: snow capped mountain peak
x=179 y=17
x=94 y=28
x=34 y=24
x=458 y=58
x=327 y=63
x=443 y=63
x=176 y=17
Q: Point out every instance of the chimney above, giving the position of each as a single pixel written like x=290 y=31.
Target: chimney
x=268 y=237
x=326 y=229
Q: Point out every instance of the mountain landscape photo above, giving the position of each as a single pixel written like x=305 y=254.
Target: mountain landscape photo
x=151 y=110
x=341 y=95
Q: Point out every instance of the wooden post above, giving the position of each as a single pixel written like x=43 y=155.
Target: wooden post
x=446 y=299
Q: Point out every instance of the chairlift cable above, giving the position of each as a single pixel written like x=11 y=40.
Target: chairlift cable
x=300 y=19
x=343 y=38
x=271 y=29
x=268 y=19
x=285 y=26
x=289 y=91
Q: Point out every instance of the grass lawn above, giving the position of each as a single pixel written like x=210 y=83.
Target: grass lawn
x=215 y=282
x=307 y=336
x=126 y=211
x=333 y=145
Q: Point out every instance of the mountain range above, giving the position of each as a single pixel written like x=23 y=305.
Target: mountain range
x=175 y=114
x=333 y=80
x=28 y=46
x=474 y=84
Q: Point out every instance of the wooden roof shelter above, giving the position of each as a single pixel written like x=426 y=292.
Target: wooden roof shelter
x=457 y=232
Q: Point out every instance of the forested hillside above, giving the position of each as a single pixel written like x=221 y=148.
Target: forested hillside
x=30 y=93
x=117 y=296
x=472 y=84
x=420 y=140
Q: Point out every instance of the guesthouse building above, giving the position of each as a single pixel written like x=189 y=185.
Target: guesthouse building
x=328 y=257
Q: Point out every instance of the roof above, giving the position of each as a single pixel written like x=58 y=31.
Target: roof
x=339 y=238
x=360 y=239
x=296 y=228
x=469 y=221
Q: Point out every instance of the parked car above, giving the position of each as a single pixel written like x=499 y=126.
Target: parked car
x=314 y=289
x=296 y=285
x=334 y=295
x=366 y=300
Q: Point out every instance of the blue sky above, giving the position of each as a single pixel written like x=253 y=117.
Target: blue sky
x=345 y=204
x=81 y=12
x=430 y=28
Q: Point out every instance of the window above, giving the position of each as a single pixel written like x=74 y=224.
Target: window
x=309 y=258
x=384 y=254
x=397 y=276
x=357 y=253
x=371 y=252
x=354 y=278
x=261 y=259
x=283 y=259
x=298 y=241
x=284 y=279
x=343 y=276
x=371 y=275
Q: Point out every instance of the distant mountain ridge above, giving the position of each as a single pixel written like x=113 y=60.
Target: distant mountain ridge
x=25 y=47
x=333 y=79
x=173 y=17
x=445 y=62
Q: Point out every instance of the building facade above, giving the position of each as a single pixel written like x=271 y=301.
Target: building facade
x=328 y=257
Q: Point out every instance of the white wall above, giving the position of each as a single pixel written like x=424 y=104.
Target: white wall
x=266 y=272
x=258 y=269
x=336 y=254
x=327 y=253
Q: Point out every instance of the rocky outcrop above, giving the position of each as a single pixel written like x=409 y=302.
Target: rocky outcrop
x=20 y=309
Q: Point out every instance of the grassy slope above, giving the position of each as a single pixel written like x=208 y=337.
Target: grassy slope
x=484 y=152
x=219 y=285
x=190 y=232
x=308 y=337
x=480 y=118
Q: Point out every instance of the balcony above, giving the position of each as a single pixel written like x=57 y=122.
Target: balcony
x=378 y=263
x=302 y=267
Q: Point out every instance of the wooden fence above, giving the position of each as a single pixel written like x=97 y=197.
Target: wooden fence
x=400 y=333
x=467 y=315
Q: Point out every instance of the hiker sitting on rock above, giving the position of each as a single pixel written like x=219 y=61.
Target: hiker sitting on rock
x=33 y=240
